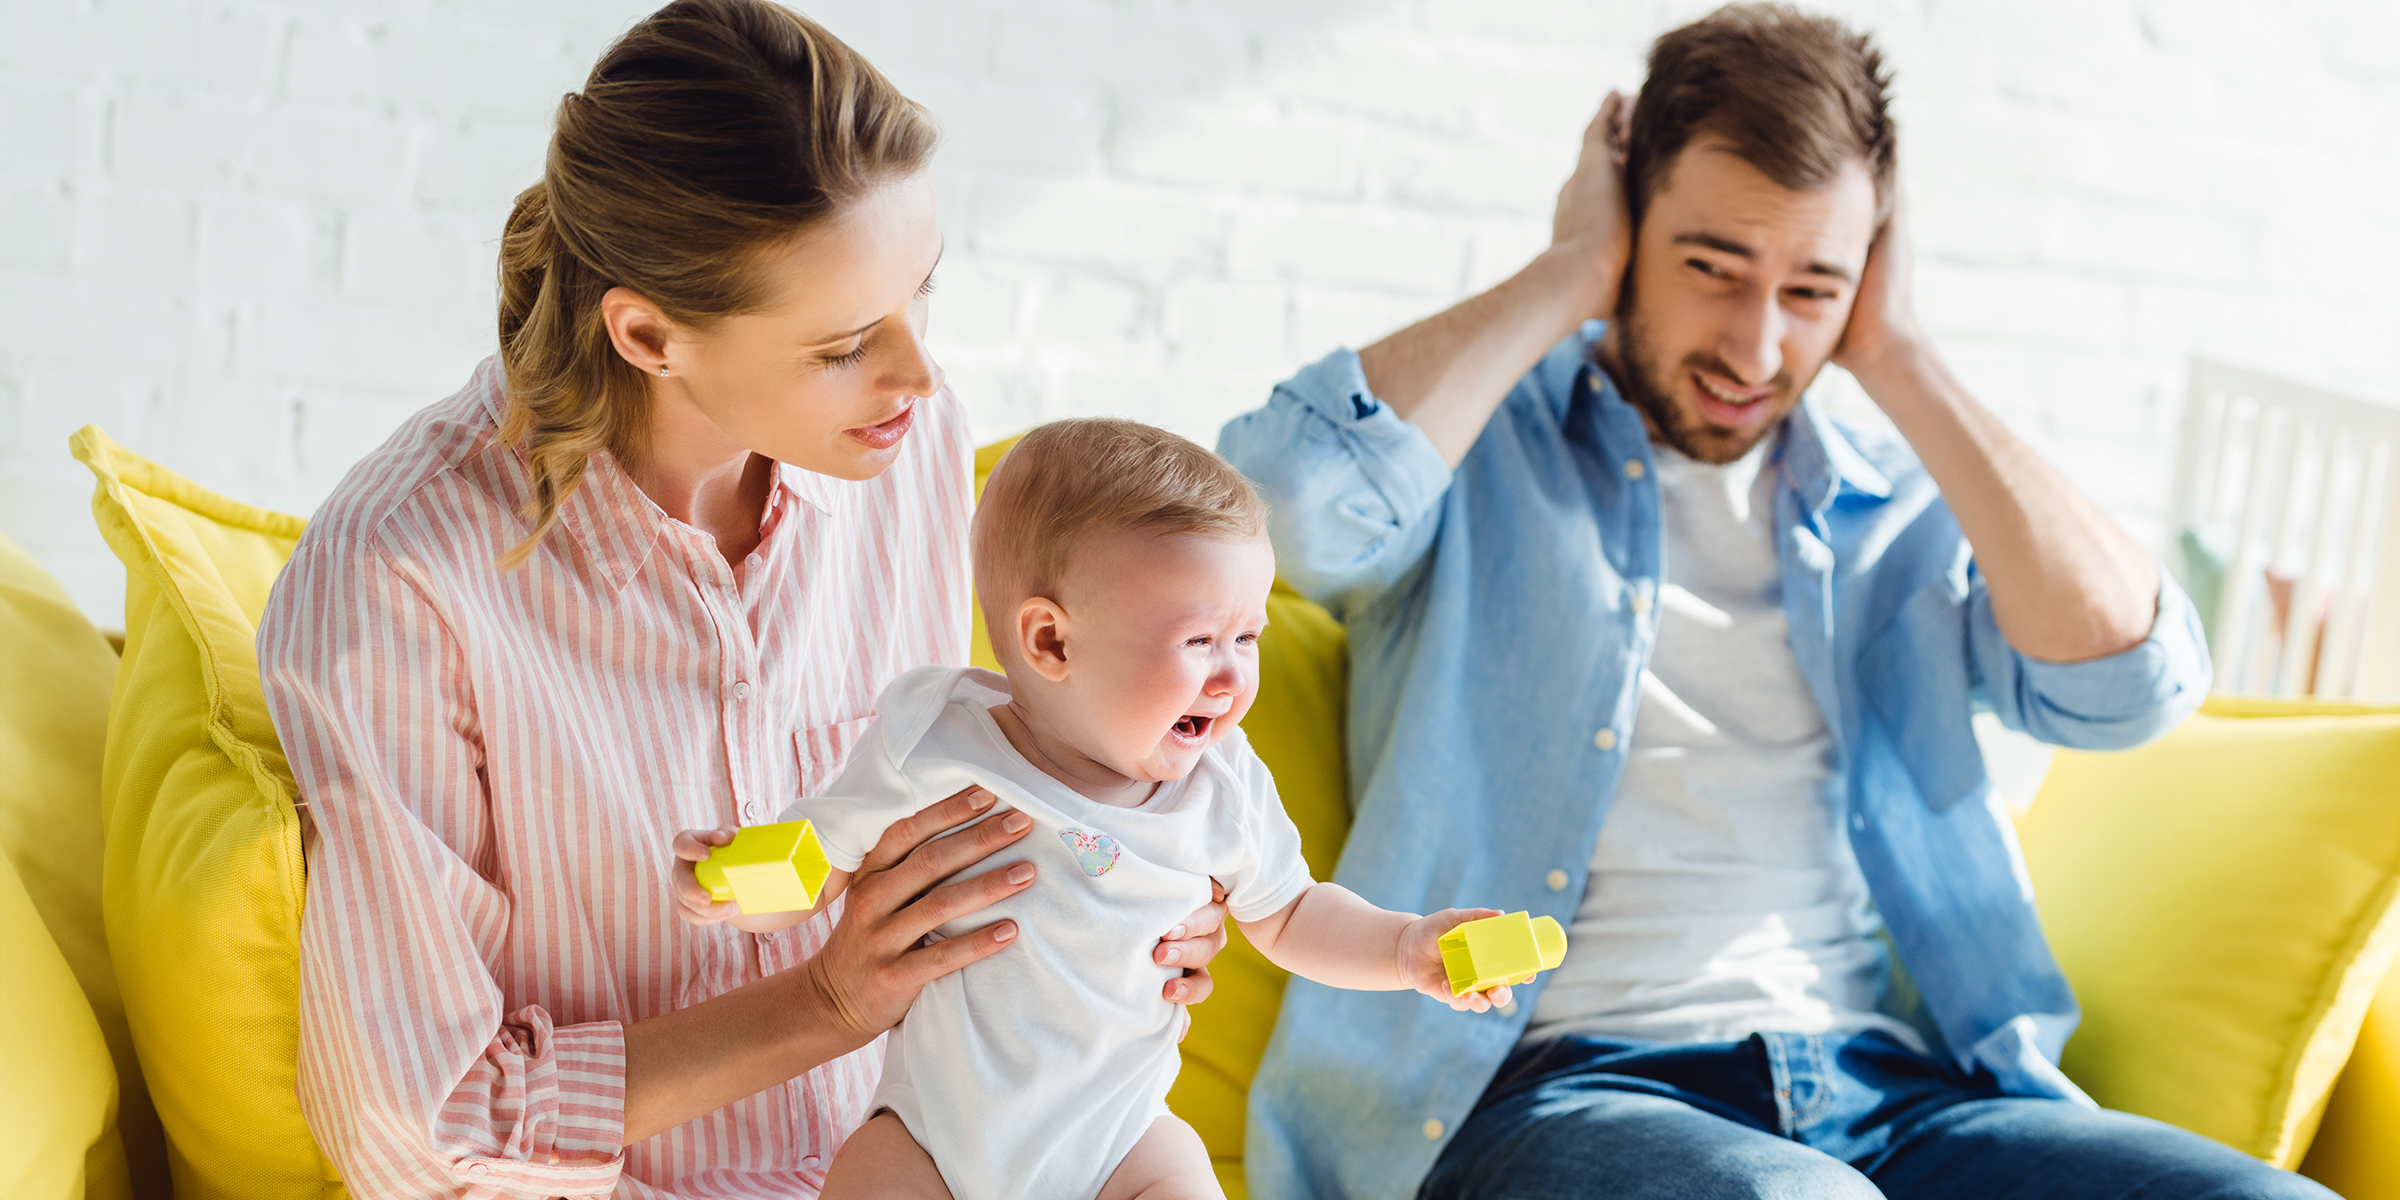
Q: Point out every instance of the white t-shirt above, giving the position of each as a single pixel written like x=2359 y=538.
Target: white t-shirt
x=1032 y=1072
x=1723 y=898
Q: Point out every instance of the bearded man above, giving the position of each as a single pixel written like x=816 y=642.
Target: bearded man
x=1643 y=640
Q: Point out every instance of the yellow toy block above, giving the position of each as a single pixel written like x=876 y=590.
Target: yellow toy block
x=1481 y=955
x=767 y=868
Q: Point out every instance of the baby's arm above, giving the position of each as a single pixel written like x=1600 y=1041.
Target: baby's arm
x=696 y=907
x=1332 y=936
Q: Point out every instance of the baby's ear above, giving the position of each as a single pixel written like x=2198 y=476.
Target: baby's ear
x=1042 y=637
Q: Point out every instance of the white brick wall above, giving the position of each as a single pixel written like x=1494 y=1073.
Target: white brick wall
x=247 y=237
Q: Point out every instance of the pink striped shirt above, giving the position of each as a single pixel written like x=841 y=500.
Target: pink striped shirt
x=496 y=762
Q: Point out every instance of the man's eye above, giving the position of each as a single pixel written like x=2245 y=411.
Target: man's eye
x=1705 y=267
x=1812 y=294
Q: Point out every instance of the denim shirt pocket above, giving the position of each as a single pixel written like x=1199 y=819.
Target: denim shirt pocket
x=1915 y=677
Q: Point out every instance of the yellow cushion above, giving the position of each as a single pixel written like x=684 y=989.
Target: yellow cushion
x=2356 y=1153
x=1296 y=725
x=2222 y=901
x=58 y=1088
x=54 y=682
x=203 y=878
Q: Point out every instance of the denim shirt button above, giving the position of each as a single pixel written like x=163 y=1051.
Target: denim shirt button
x=1606 y=739
x=1634 y=468
x=1557 y=880
x=1433 y=1130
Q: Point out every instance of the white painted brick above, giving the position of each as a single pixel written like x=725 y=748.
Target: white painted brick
x=1471 y=175
x=1502 y=247
x=430 y=260
x=1323 y=318
x=251 y=246
x=1147 y=50
x=1237 y=321
x=482 y=165
x=374 y=64
x=333 y=154
x=1351 y=246
x=1148 y=229
x=2022 y=304
x=36 y=226
x=1257 y=145
x=93 y=322
x=1027 y=128
x=37 y=132
x=135 y=239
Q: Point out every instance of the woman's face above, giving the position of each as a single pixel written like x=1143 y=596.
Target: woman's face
x=826 y=376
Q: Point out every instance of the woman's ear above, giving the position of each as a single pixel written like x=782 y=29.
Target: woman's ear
x=637 y=328
x=1042 y=638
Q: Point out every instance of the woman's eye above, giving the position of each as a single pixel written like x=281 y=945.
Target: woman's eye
x=926 y=288
x=851 y=359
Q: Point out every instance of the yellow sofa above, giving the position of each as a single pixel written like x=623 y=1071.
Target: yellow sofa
x=86 y=1146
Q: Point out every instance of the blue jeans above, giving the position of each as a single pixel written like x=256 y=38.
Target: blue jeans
x=1836 y=1117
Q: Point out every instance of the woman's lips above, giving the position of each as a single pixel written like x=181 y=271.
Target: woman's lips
x=888 y=434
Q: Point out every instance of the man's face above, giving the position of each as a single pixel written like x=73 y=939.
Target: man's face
x=1737 y=295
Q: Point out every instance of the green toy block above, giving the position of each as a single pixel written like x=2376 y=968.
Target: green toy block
x=767 y=868
x=1481 y=955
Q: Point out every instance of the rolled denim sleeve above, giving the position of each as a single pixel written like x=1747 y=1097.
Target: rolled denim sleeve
x=1355 y=491
x=2111 y=703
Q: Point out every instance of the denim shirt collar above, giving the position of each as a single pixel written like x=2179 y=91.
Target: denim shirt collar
x=1817 y=460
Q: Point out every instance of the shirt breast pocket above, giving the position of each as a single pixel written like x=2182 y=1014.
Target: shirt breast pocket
x=820 y=750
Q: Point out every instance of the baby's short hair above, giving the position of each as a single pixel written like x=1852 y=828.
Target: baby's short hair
x=1093 y=475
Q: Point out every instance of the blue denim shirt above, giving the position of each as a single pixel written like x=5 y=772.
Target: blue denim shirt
x=1495 y=632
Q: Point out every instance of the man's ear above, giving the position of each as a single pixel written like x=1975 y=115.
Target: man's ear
x=1042 y=637
x=637 y=328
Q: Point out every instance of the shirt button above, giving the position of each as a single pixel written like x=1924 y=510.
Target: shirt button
x=1634 y=468
x=1641 y=602
x=810 y=1161
x=741 y=690
x=754 y=560
x=1606 y=739
x=1433 y=1130
x=1557 y=880
x=478 y=1169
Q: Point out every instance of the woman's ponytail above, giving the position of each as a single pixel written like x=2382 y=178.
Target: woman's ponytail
x=751 y=123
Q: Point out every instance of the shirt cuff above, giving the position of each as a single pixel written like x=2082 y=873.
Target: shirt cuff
x=2145 y=689
x=1396 y=457
x=581 y=1150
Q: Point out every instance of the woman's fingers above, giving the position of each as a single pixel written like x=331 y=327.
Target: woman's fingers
x=943 y=905
x=908 y=833
x=1190 y=988
x=933 y=862
x=928 y=963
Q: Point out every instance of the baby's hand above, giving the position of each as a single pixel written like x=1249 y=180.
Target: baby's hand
x=696 y=907
x=1421 y=960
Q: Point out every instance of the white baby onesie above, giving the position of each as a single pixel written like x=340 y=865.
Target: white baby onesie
x=1033 y=1072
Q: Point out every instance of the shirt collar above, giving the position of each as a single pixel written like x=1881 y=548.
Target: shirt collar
x=824 y=493
x=1816 y=458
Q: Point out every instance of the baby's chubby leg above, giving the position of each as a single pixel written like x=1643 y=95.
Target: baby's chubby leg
x=1168 y=1163
x=880 y=1160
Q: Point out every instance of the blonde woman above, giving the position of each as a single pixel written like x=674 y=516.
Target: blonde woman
x=647 y=571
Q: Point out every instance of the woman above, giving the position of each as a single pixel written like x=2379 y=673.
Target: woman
x=646 y=572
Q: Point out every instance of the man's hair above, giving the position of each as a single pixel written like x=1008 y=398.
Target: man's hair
x=1796 y=96
x=1067 y=479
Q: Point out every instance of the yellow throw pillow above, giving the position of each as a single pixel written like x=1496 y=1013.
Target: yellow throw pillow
x=203 y=877
x=54 y=681
x=58 y=1089
x=1296 y=725
x=2222 y=900
x=2357 y=1151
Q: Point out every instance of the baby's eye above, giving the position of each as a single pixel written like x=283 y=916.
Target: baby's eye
x=1202 y=640
x=1247 y=639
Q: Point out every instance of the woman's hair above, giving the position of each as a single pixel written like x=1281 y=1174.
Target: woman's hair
x=1088 y=475
x=708 y=134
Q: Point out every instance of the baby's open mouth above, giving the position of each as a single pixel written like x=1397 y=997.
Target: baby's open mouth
x=1189 y=726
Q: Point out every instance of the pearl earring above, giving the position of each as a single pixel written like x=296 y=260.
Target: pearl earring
x=662 y=370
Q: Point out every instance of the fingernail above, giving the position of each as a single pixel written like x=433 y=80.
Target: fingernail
x=1005 y=931
x=1016 y=822
x=1175 y=990
x=1020 y=872
x=1175 y=934
x=980 y=799
x=1168 y=956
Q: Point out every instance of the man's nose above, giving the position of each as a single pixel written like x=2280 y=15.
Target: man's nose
x=1753 y=342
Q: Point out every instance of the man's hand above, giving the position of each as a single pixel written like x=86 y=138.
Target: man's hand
x=1421 y=960
x=1593 y=217
x=1883 y=315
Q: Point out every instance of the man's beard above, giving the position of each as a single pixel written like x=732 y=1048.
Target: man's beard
x=1642 y=386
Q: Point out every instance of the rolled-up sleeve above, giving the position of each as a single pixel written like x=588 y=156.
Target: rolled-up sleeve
x=416 y=1076
x=2110 y=703
x=1355 y=491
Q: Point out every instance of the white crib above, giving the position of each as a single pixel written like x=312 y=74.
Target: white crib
x=2286 y=505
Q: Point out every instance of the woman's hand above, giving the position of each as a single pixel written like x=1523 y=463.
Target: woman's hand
x=1192 y=945
x=872 y=966
x=1421 y=960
